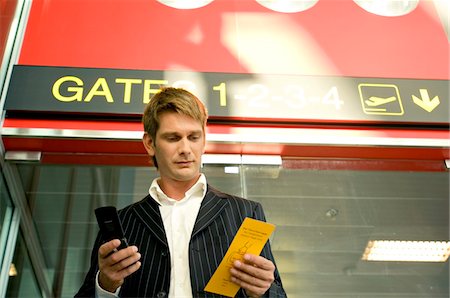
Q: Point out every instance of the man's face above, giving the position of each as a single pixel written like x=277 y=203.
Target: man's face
x=179 y=145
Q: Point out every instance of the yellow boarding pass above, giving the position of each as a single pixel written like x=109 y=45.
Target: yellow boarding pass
x=250 y=238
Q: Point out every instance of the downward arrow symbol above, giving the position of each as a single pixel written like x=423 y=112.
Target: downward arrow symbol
x=425 y=102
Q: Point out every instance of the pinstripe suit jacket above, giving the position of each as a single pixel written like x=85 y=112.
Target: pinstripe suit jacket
x=219 y=218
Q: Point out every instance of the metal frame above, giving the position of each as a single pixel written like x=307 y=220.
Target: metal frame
x=12 y=47
x=20 y=216
x=9 y=237
x=28 y=228
x=291 y=136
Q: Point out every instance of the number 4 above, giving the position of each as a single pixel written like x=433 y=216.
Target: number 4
x=332 y=97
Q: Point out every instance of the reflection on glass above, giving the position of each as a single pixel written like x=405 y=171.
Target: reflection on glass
x=6 y=210
x=24 y=283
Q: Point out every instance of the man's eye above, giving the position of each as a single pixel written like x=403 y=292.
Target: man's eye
x=194 y=138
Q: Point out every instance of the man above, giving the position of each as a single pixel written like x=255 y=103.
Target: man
x=181 y=231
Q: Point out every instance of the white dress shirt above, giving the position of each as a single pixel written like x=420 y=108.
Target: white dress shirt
x=179 y=219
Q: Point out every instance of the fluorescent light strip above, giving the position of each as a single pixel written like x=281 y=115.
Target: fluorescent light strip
x=271 y=160
x=236 y=159
x=231 y=170
x=220 y=159
x=406 y=251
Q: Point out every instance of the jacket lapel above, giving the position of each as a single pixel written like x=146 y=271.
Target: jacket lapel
x=148 y=212
x=210 y=208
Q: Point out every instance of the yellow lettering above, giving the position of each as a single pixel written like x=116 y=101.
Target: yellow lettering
x=78 y=91
x=127 y=87
x=148 y=91
x=100 y=88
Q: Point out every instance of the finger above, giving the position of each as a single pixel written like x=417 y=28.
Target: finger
x=259 y=262
x=119 y=268
x=245 y=279
x=111 y=280
x=252 y=285
x=115 y=267
x=125 y=262
x=121 y=255
x=254 y=271
x=106 y=248
x=130 y=269
x=124 y=272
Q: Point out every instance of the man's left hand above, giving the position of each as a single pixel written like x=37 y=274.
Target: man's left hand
x=254 y=274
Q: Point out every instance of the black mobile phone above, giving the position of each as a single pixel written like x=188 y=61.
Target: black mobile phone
x=110 y=226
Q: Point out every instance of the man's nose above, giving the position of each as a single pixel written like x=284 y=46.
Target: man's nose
x=184 y=146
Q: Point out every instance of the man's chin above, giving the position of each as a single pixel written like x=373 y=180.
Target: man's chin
x=187 y=174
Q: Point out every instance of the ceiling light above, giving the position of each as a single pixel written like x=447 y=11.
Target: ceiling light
x=12 y=270
x=288 y=6
x=233 y=159
x=407 y=251
x=185 y=4
x=237 y=159
x=231 y=170
x=388 y=8
x=270 y=160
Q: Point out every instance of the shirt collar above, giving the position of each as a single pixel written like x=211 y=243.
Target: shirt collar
x=161 y=198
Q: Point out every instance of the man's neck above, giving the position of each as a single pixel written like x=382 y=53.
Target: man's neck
x=176 y=189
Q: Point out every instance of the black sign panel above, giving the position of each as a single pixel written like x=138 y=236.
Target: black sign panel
x=231 y=95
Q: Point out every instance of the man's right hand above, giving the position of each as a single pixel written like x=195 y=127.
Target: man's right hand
x=114 y=267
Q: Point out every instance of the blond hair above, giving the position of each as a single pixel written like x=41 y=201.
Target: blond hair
x=171 y=99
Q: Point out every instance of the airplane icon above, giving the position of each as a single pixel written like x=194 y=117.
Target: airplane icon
x=387 y=100
x=375 y=101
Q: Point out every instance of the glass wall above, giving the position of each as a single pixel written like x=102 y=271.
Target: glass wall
x=8 y=227
x=6 y=214
x=22 y=282
x=324 y=220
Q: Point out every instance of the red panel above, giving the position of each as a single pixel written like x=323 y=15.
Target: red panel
x=110 y=150
x=131 y=153
x=365 y=152
x=222 y=128
x=144 y=34
x=305 y=164
x=97 y=159
x=75 y=146
x=367 y=165
x=132 y=147
x=72 y=124
x=7 y=8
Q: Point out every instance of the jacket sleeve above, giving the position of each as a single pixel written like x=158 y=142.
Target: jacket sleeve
x=276 y=289
x=88 y=287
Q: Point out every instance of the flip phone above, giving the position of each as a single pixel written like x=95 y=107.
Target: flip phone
x=109 y=224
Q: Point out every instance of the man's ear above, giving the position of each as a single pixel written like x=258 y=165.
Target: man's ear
x=148 y=144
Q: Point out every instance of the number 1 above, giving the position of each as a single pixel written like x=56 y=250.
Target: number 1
x=222 y=88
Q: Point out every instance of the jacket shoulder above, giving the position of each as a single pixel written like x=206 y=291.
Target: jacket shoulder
x=136 y=205
x=230 y=197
